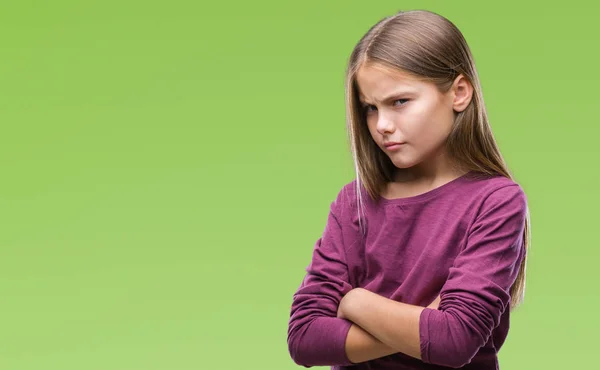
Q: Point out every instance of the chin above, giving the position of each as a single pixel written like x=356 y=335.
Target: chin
x=401 y=161
x=404 y=164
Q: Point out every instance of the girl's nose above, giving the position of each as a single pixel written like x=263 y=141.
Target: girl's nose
x=385 y=124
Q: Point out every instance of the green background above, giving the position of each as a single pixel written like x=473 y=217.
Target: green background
x=168 y=166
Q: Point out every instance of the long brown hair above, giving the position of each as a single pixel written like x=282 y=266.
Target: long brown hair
x=431 y=48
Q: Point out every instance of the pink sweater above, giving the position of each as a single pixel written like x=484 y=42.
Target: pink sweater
x=463 y=240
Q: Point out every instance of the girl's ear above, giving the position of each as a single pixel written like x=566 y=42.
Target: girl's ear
x=463 y=93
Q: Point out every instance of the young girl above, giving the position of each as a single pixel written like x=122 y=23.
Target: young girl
x=423 y=254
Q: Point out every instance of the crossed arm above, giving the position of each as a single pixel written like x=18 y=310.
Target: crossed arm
x=381 y=326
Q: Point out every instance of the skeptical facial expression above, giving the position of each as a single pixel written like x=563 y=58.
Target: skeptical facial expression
x=408 y=118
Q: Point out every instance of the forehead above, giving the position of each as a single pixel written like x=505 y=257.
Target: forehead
x=375 y=82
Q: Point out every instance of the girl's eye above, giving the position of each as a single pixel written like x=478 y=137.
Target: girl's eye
x=369 y=107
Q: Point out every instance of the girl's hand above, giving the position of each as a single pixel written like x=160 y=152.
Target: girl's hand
x=340 y=312
x=347 y=302
x=435 y=304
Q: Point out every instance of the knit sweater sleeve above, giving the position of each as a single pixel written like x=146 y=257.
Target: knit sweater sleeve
x=316 y=337
x=477 y=290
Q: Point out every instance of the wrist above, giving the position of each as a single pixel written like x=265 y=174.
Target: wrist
x=351 y=302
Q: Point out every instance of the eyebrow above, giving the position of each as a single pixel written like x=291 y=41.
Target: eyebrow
x=389 y=97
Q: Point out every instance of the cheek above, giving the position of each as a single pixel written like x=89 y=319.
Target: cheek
x=430 y=125
x=372 y=127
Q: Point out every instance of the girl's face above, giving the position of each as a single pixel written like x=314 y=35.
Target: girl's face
x=402 y=109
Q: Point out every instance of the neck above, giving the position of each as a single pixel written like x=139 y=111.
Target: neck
x=438 y=167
